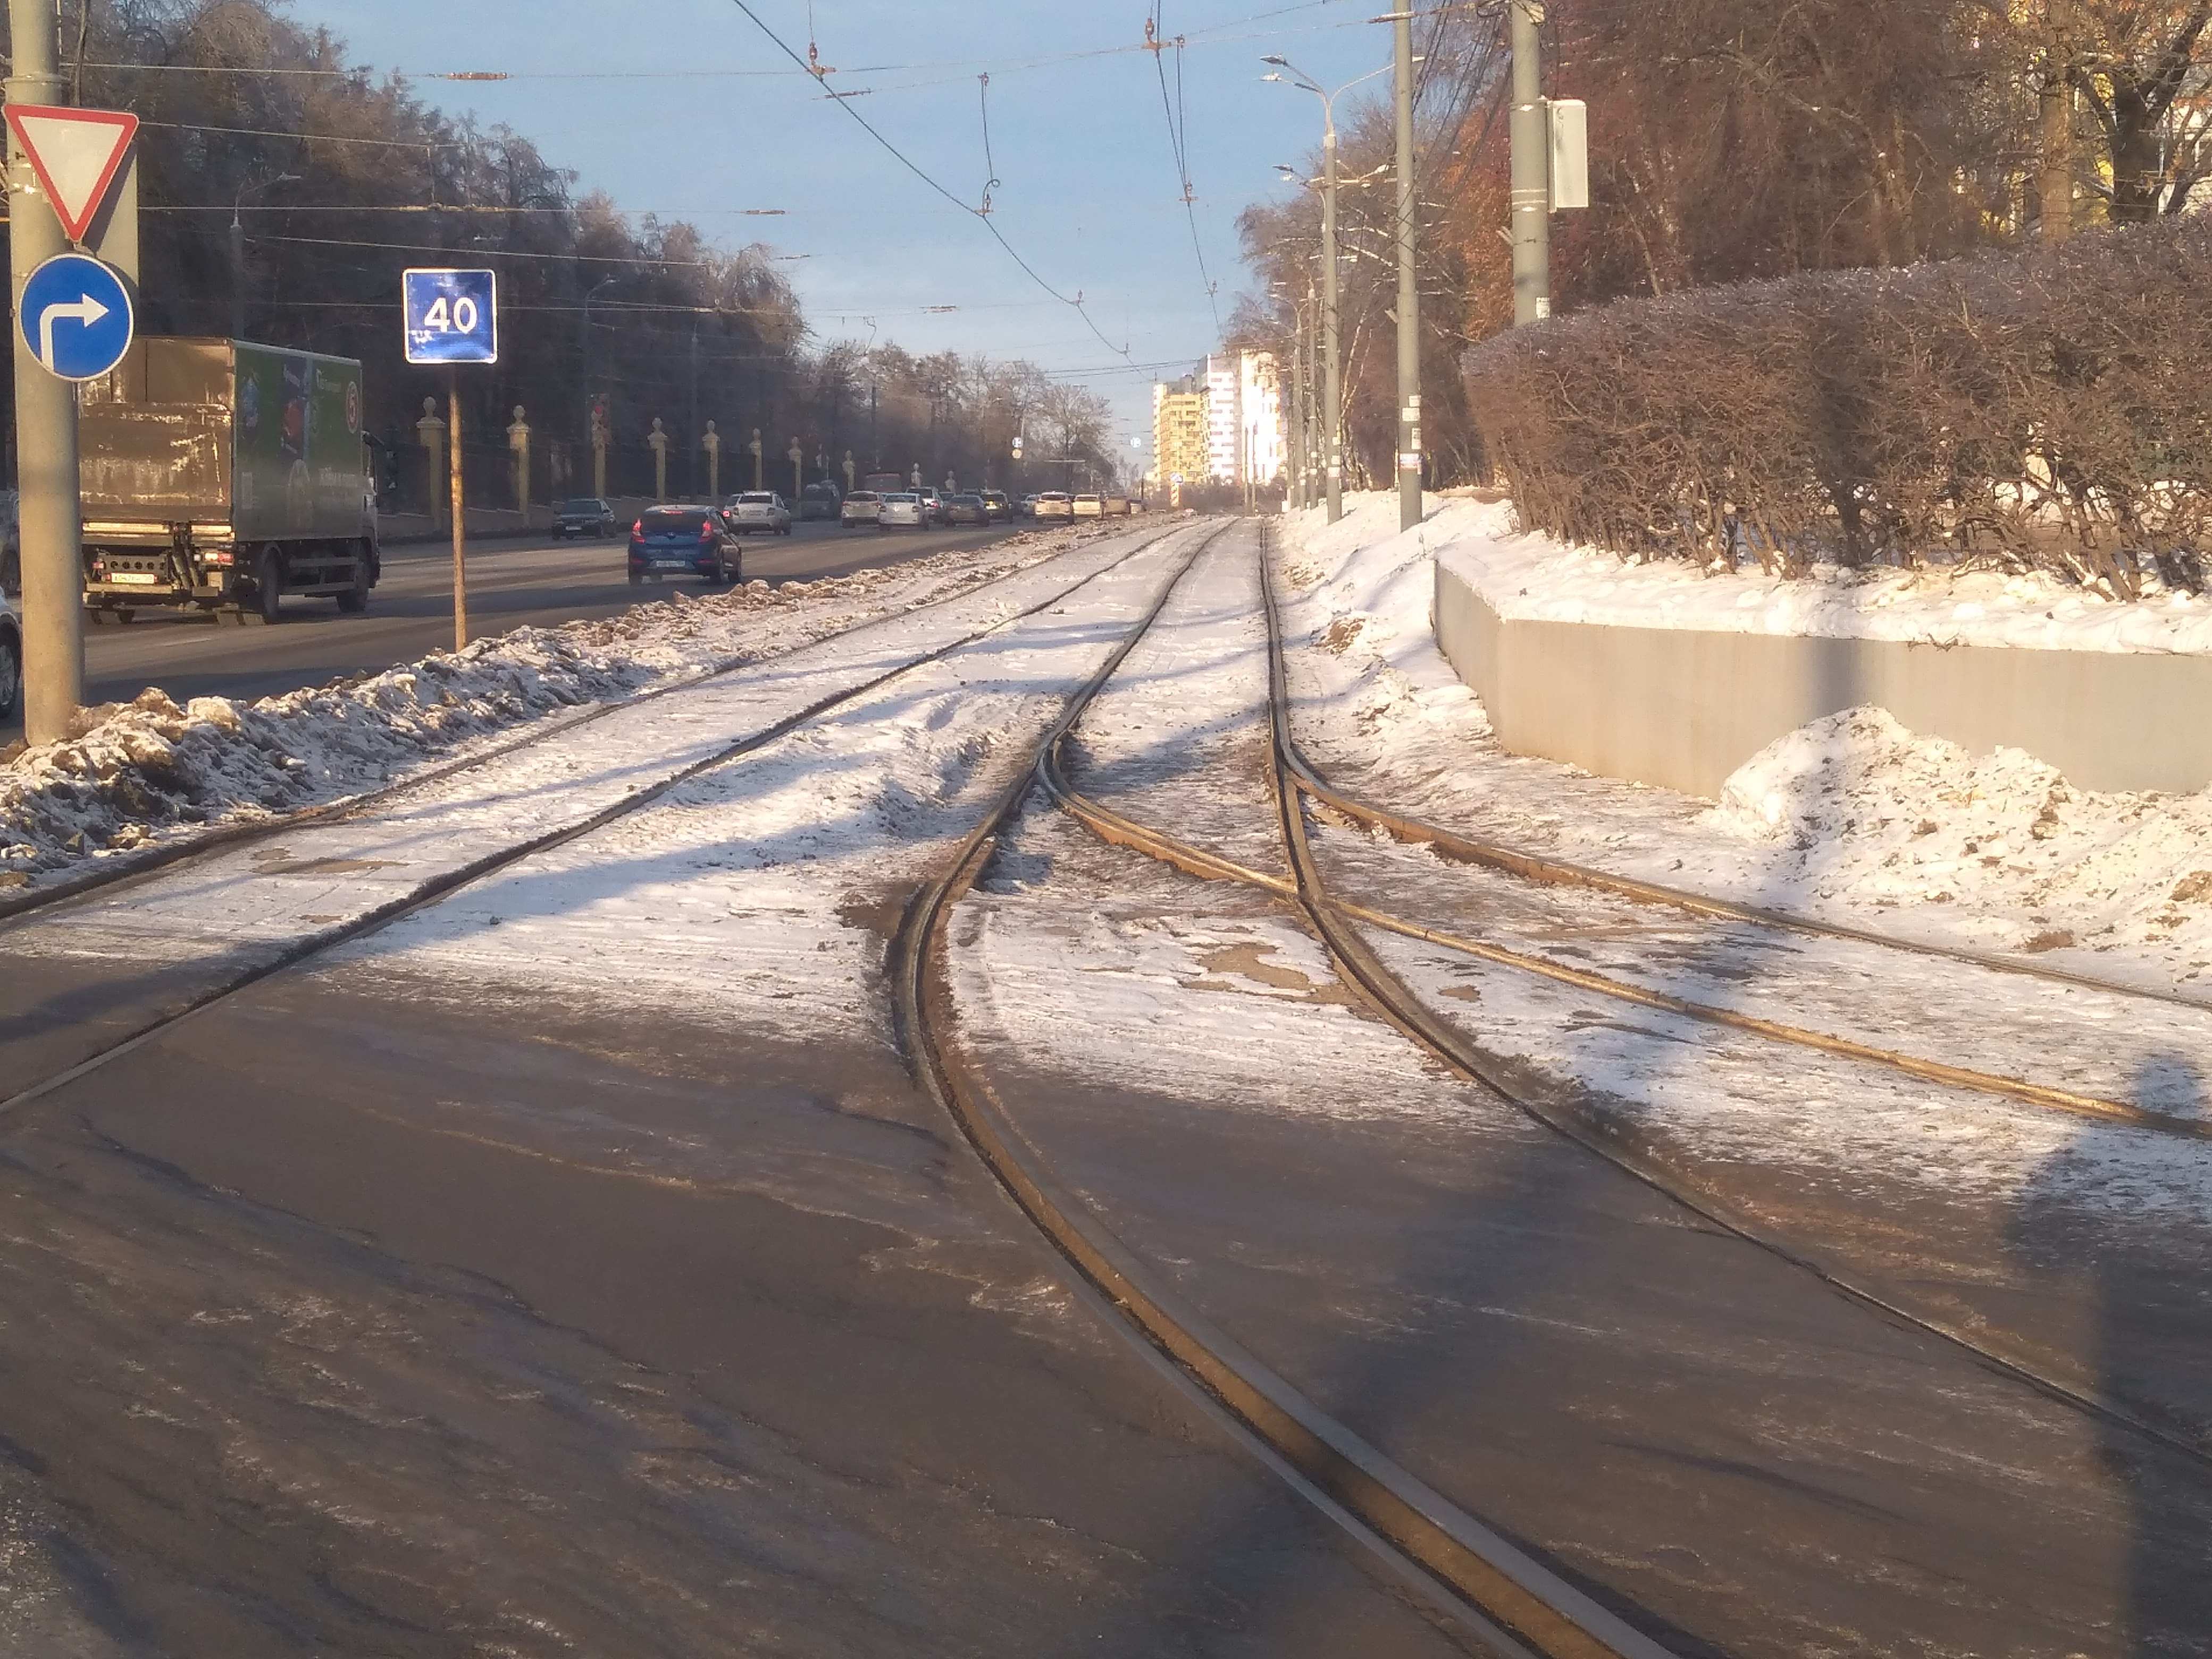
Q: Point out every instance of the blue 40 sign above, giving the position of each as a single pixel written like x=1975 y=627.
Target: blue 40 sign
x=453 y=316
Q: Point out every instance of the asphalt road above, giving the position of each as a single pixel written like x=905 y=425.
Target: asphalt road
x=511 y=585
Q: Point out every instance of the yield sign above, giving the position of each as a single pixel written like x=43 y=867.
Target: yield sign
x=76 y=153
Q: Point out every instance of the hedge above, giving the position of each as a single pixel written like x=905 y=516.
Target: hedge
x=2047 y=410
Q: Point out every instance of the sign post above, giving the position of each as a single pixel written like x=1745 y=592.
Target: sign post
x=75 y=319
x=452 y=319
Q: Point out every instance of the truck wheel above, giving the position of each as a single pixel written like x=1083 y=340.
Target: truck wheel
x=269 y=585
x=354 y=600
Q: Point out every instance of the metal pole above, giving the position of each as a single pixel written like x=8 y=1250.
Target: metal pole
x=237 y=276
x=53 y=531
x=1409 y=294
x=460 y=513
x=1295 y=438
x=1309 y=442
x=1332 y=390
x=1532 y=168
x=2056 y=182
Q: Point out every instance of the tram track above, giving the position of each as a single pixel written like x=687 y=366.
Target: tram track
x=136 y=866
x=1337 y=924
x=311 y=946
x=1499 y=1596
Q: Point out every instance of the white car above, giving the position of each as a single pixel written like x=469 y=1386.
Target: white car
x=11 y=659
x=904 y=510
x=1055 y=504
x=1090 y=506
x=758 y=509
x=861 y=507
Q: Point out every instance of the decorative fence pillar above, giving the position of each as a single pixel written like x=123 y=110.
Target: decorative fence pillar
x=432 y=432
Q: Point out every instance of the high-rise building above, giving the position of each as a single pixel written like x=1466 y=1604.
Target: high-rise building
x=1179 y=433
x=1223 y=424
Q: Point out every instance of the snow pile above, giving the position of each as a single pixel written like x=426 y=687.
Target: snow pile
x=1535 y=579
x=1858 y=807
x=144 y=771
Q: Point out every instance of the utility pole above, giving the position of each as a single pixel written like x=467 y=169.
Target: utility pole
x=1331 y=390
x=1298 y=406
x=691 y=465
x=1532 y=168
x=53 y=531
x=1309 y=439
x=1409 y=292
x=2057 y=112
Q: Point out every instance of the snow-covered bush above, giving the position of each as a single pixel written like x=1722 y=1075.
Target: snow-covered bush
x=2044 y=410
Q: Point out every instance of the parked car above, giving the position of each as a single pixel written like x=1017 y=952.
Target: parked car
x=1088 y=506
x=11 y=659
x=1117 y=507
x=760 y=510
x=1055 y=504
x=586 y=515
x=685 y=541
x=861 y=507
x=1001 y=508
x=966 y=509
x=819 y=501
x=903 y=510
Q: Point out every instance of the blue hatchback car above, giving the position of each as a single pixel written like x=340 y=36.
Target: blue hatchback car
x=676 y=541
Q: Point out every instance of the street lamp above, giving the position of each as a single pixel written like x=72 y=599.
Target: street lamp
x=1332 y=387
x=238 y=249
x=593 y=295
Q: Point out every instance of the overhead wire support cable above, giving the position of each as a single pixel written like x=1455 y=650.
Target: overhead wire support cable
x=1179 y=146
x=911 y=165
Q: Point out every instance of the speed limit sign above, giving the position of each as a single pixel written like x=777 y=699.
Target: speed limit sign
x=453 y=316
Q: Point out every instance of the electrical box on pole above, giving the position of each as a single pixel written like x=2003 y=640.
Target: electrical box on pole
x=1570 y=124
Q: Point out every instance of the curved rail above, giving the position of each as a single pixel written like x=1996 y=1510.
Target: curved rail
x=1558 y=872
x=134 y=867
x=1330 y=919
x=441 y=886
x=1508 y=1599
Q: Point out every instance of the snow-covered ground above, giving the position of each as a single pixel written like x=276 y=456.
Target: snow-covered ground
x=1534 y=577
x=238 y=905
x=1852 y=818
x=150 y=770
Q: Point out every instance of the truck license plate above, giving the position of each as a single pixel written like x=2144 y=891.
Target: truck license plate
x=136 y=579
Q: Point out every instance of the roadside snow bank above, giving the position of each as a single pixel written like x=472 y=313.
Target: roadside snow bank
x=148 y=770
x=1533 y=578
x=1858 y=807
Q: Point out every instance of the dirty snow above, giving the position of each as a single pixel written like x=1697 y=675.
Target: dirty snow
x=1534 y=577
x=1851 y=819
x=152 y=770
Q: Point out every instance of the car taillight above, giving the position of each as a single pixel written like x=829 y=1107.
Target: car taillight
x=707 y=532
x=637 y=531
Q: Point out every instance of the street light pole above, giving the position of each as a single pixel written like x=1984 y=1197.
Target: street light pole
x=1409 y=293
x=587 y=349
x=1531 y=168
x=1332 y=395
x=52 y=533
x=238 y=249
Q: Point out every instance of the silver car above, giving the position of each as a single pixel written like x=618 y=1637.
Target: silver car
x=861 y=507
x=904 y=511
x=11 y=659
x=760 y=510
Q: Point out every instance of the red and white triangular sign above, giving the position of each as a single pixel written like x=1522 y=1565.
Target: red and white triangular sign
x=76 y=153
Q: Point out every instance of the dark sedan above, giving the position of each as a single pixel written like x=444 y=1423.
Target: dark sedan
x=585 y=516
x=685 y=541
x=966 y=509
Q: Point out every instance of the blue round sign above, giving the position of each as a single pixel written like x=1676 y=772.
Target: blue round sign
x=76 y=316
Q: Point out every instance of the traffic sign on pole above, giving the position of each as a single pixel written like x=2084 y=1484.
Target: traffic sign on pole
x=76 y=316
x=451 y=316
x=76 y=153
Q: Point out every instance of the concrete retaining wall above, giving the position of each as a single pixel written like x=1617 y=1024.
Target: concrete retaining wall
x=1683 y=708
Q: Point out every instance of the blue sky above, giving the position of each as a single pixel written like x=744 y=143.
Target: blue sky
x=684 y=107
